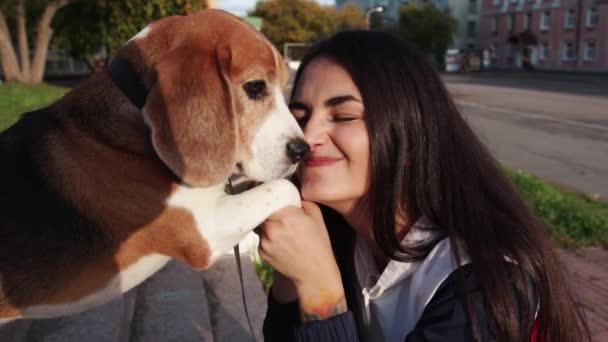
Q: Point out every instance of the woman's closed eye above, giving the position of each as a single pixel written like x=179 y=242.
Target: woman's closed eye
x=344 y=118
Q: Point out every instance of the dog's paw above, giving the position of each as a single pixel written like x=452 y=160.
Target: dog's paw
x=283 y=191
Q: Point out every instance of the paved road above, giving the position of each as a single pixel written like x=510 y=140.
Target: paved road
x=571 y=83
x=543 y=127
x=555 y=126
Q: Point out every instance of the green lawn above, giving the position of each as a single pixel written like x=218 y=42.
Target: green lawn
x=16 y=99
x=573 y=219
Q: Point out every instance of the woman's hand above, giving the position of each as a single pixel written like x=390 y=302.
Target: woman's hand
x=296 y=244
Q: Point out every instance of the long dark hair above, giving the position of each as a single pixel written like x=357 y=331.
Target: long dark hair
x=426 y=161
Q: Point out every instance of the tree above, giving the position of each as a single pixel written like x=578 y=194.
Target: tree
x=20 y=66
x=304 y=20
x=349 y=17
x=428 y=28
x=82 y=27
x=86 y=27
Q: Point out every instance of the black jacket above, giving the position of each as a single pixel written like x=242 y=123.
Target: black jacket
x=444 y=318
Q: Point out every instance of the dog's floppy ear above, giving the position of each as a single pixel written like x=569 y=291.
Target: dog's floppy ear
x=190 y=112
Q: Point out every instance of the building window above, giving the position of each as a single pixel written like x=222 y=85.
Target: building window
x=589 y=51
x=494 y=50
x=527 y=21
x=570 y=18
x=510 y=22
x=472 y=6
x=545 y=20
x=471 y=29
x=591 y=17
x=495 y=24
x=544 y=51
x=568 y=51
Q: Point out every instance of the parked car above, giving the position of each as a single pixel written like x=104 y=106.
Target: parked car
x=454 y=60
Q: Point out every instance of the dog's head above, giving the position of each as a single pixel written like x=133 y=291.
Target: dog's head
x=215 y=104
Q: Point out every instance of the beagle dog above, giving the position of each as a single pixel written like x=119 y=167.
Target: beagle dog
x=103 y=187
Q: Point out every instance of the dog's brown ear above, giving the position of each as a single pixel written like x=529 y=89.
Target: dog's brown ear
x=190 y=112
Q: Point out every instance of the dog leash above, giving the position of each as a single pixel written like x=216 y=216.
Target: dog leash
x=237 y=254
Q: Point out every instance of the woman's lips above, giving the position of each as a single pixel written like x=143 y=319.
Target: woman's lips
x=320 y=161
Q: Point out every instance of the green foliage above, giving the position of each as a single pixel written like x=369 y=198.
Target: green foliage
x=16 y=99
x=428 y=28
x=84 y=27
x=264 y=272
x=33 y=11
x=348 y=17
x=301 y=21
x=573 y=219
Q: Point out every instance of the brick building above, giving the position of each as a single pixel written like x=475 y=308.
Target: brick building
x=569 y=35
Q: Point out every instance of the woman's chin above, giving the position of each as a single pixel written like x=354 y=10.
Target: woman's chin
x=312 y=195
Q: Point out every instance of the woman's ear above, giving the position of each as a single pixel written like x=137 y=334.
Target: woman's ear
x=190 y=112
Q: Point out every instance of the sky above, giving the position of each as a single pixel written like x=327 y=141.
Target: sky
x=241 y=7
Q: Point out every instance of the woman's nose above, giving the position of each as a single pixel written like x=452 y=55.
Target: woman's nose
x=315 y=132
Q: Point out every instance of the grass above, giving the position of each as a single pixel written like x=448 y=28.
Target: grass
x=573 y=219
x=16 y=99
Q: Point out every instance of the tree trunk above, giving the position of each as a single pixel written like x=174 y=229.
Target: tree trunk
x=43 y=37
x=24 y=51
x=8 y=58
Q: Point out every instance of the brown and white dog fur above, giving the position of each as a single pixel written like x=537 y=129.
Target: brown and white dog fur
x=97 y=195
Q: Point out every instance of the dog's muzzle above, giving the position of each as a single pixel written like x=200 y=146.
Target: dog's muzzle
x=297 y=150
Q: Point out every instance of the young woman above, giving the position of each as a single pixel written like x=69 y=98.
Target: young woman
x=418 y=235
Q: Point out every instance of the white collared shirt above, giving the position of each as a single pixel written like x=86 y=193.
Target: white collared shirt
x=395 y=298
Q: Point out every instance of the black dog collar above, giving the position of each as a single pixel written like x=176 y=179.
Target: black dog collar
x=125 y=77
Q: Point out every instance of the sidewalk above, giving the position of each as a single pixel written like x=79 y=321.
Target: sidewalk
x=589 y=282
x=175 y=304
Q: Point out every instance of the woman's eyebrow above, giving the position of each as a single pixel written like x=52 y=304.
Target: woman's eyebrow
x=332 y=102
x=338 y=100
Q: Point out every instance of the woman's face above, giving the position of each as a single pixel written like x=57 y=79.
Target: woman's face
x=330 y=110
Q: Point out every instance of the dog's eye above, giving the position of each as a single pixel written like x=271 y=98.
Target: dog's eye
x=256 y=90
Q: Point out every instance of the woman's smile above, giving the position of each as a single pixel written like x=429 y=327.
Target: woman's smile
x=320 y=161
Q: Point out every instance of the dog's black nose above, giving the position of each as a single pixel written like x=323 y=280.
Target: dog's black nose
x=297 y=149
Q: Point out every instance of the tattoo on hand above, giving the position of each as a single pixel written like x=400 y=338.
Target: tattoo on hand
x=324 y=311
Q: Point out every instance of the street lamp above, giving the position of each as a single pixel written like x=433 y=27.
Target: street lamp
x=377 y=9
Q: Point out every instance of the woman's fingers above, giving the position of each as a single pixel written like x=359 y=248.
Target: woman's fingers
x=311 y=208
